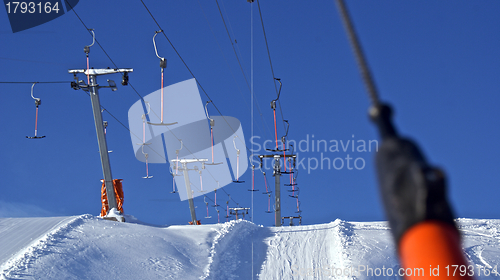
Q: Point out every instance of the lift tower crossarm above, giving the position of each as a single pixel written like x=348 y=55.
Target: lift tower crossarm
x=93 y=88
x=237 y=211
x=100 y=71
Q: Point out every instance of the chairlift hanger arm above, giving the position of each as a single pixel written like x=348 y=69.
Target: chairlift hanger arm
x=287 y=127
x=86 y=49
x=234 y=143
x=163 y=61
x=279 y=92
x=182 y=145
x=32 y=86
x=38 y=101
x=154 y=43
x=208 y=116
x=147 y=113
x=206 y=110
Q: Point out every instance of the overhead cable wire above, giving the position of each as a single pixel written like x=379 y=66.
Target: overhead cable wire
x=231 y=28
x=232 y=44
x=220 y=48
x=230 y=197
x=31 y=61
x=263 y=130
x=239 y=62
x=57 y=82
x=270 y=61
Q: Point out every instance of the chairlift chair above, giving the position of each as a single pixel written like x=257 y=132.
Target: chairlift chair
x=201 y=179
x=143 y=117
x=269 y=204
x=173 y=182
x=298 y=206
x=253 y=180
x=38 y=101
x=206 y=203
x=294 y=178
x=227 y=207
x=177 y=161
x=265 y=181
x=237 y=162
x=295 y=193
x=146 y=155
x=215 y=198
x=212 y=123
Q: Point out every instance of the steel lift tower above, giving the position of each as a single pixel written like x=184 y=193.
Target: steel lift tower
x=277 y=184
x=93 y=89
x=185 y=171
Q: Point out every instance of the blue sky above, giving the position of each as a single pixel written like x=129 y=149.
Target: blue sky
x=437 y=63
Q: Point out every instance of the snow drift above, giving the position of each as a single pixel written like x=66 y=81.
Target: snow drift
x=87 y=247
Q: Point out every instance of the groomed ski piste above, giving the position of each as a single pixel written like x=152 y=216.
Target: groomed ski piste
x=87 y=247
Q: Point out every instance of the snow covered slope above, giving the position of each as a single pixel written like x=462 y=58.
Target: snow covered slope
x=86 y=247
x=18 y=233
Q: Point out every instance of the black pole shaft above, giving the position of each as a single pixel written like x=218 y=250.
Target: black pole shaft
x=189 y=193
x=358 y=53
x=277 y=192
